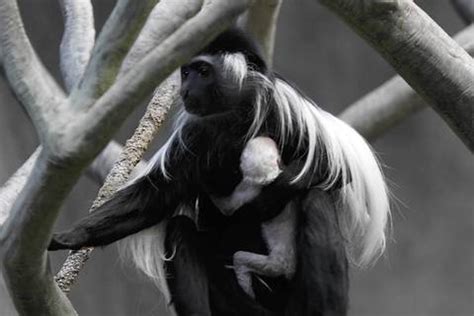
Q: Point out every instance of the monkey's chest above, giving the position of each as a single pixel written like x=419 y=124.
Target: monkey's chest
x=221 y=172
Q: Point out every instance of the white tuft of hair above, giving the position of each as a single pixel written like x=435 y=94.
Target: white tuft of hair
x=146 y=251
x=235 y=67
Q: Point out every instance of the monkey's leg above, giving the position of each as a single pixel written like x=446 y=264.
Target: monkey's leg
x=320 y=284
x=199 y=283
x=187 y=281
x=226 y=296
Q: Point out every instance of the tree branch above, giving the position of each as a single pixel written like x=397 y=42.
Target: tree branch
x=465 y=9
x=165 y=18
x=10 y=190
x=97 y=171
x=383 y=108
x=24 y=238
x=421 y=52
x=31 y=82
x=113 y=43
x=393 y=101
x=8 y=194
x=104 y=162
x=78 y=39
x=261 y=21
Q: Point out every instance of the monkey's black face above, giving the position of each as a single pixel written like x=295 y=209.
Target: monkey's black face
x=197 y=87
x=203 y=89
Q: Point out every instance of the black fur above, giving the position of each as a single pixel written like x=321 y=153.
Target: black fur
x=321 y=283
x=208 y=164
x=236 y=41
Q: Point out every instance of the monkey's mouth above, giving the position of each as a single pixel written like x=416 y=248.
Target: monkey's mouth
x=199 y=111
x=194 y=107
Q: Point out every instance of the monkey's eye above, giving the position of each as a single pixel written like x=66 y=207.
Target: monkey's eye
x=204 y=71
x=184 y=73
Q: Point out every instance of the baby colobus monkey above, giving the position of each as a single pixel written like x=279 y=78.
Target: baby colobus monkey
x=328 y=198
x=260 y=164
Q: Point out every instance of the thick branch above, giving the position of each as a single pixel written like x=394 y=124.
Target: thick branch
x=165 y=18
x=422 y=53
x=113 y=43
x=31 y=82
x=97 y=171
x=78 y=39
x=25 y=235
x=465 y=9
x=261 y=21
x=10 y=190
x=383 y=108
x=393 y=101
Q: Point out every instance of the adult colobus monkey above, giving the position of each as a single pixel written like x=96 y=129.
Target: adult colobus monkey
x=329 y=178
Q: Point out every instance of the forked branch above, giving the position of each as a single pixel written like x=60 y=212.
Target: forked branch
x=113 y=43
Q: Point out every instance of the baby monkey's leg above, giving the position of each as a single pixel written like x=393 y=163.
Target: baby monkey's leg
x=279 y=234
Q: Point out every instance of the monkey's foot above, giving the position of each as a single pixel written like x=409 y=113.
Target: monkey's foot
x=243 y=273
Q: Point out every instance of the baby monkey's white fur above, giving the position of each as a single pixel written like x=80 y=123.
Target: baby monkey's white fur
x=260 y=165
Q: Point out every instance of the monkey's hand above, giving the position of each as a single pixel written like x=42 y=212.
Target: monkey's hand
x=67 y=240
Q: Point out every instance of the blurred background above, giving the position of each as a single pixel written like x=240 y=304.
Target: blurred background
x=429 y=265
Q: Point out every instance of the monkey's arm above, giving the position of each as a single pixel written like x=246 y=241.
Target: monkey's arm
x=138 y=206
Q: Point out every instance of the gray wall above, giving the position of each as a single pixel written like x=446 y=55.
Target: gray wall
x=428 y=268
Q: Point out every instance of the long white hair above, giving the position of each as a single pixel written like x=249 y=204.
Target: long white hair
x=364 y=203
